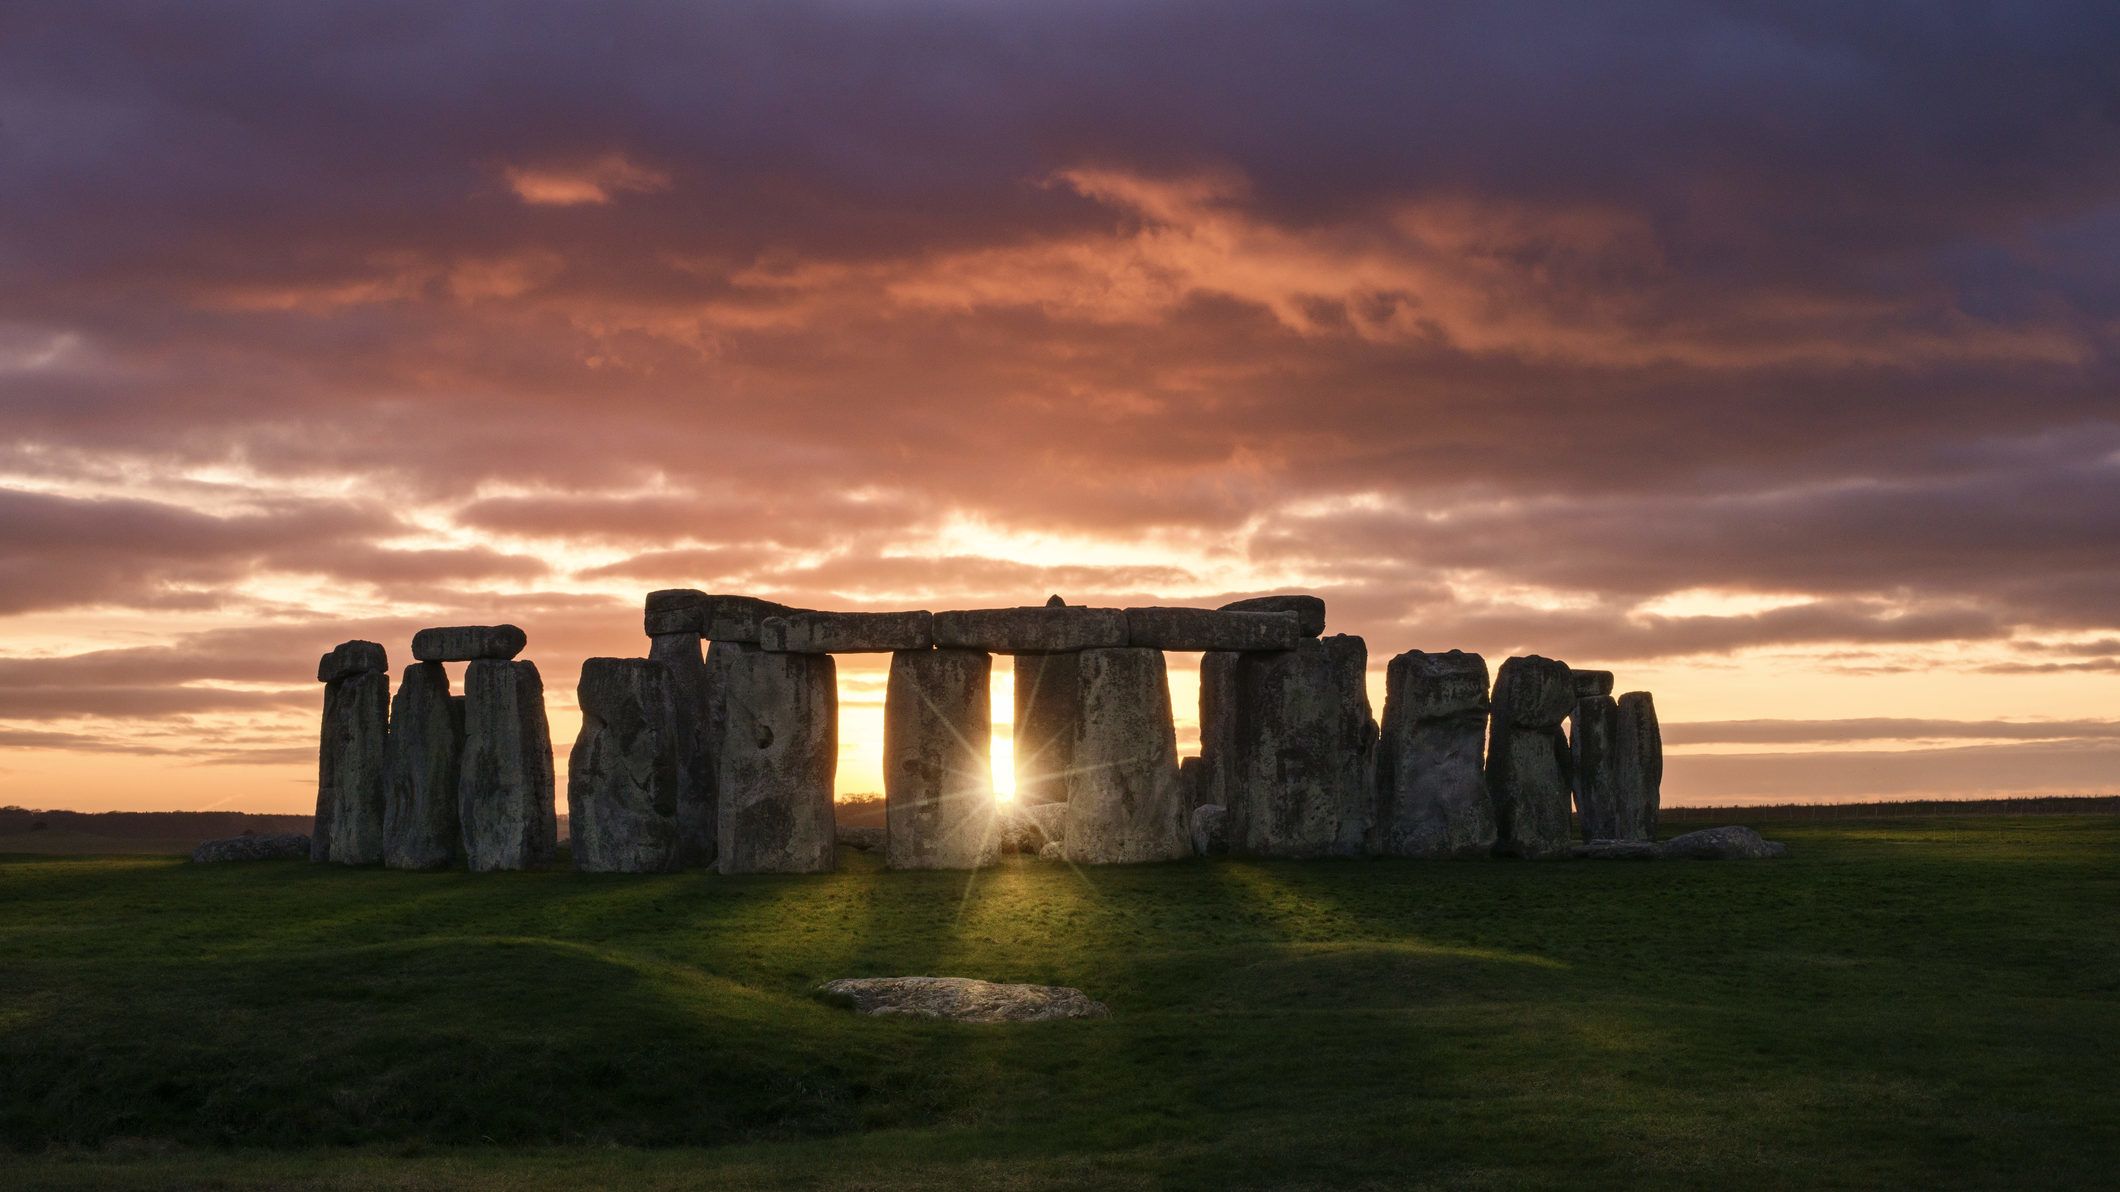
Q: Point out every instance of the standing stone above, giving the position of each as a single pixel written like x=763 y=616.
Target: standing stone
x=420 y=825
x=1193 y=777
x=352 y=756
x=1048 y=709
x=1638 y=770
x=505 y=794
x=1593 y=728
x=1302 y=784
x=680 y=652
x=1218 y=726
x=1527 y=757
x=938 y=783
x=777 y=754
x=1124 y=803
x=1431 y=787
x=622 y=778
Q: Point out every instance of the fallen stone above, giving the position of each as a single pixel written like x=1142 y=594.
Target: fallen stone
x=1053 y=850
x=1309 y=610
x=1432 y=797
x=1123 y=799
x=848 y=633
x=252 y=848
x=351 y=759
x=505 y=792
x=1590 y=683
x=1527 y=758
x=1027 y=828
x=1638 y=767
x=1210 y=831
x=622 y=774
x=1302 y=783
x=348 y=659
x=1048 y=711
x=467 y=643
x=938 y=778
x=1616 y=850
x=862 y=838
x=1052 y=629
x=961 y=999
x=1218 y=725
x=775 y=760
x=1189 y=629
x=1730 y=843
x=1594 y=772
x=680 y=652
x=425 y=761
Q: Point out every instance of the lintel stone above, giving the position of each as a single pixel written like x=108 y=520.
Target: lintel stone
x=1203 y=629
x=848 y=633
x=468 y=643
x=1050 y=629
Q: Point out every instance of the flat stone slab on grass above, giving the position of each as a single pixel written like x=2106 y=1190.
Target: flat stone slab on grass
x=1730 y=843
x=961 y=999
x=253 y=848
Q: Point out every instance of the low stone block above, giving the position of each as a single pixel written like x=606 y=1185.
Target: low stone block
x=848 y=633
x=1432 y=799
x=352 y=658
x=777 y=754
x=1047 y=712
x=1731 y=843
x=468 y=643
x=1123 y=799
x=938 y=783
x=1528 y=759
x=351 y=759
x=1302 y=784
x=1192 y=775
x=421 y=829
x=505 y=796
x=1190 y=629
x=1590 y=683
x=622 y=777
x=252 y=848
x=1050 y=629
x=1309 y=610
x=1027 y=828
x=961 y=999
x=1210 y=830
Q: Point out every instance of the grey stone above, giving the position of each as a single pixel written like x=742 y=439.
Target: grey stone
x=1123 y=799
x=1028 y=827
x=426 y=748
x=468 y=643
x=1527 y=757
x=859 y=837
x=848 y=633
x=1309 y=610
x=1210 y=830
x=1302 y=783
x=778 y=752
x=1052 y=629
x=665 y=600
x=622 y=777
x=252 y=848
x=1192 y=775
x=351 y=757
x=1616 y=850
x=1432 y=797
x=1189 y=629
x=1591 y=682
x=1218 y=725
x=505 y=792
x=938 y=778
x=692 y=738
x=961 y=999
x=1048 y=709
x=719 y=618
x=1730 y=843
x=1593 y=769
x=1638 y=767
x=348 y=659
x=1053 y=850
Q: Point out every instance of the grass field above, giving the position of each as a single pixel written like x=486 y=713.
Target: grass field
x=1904 y=1003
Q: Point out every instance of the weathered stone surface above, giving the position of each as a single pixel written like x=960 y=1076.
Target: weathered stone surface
x=1123 y=799
x=1052 y=629
x=674 y=610
x=426 y=748
x=1210 y=830
x=848 y=633
x=778 y=752
x=860 y=837
x=1192 y=775
x=1302 y=782
x=468 y=643
x=1189 y=629
x=622 y=777
x=252 y=848
x=1309 y=610
x=348 y=659
x=680 y=652
x=1053 y=850
x=1048 y=710
x=1615 y=850
x=1730 y=843
x=695 y=815
x=1431 y=785
x=1218 y=725
x=1591 y=682
x=505 y=792
x=1527 y=757
x=1028 y=827
x=719 y=618
x=938 y=778
x=961 y=999
x=1638 y=767
x=350 y=766
x=1593 y=771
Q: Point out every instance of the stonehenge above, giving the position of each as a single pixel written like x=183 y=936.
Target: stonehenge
x=350 y=755
x=468 y=643
x=1638 y=770
x=776 y=757
x=622 y=777
x=505 y=793
x=938 y=795
x=1124 y=802
x=692 y=738
x=1431 y=787
x=848 y=633
x=1200 y=629
x=1299 y=783
x=1527 y=757
x=421 y=824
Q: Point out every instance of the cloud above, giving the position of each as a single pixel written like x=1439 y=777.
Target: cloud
x=595 y=181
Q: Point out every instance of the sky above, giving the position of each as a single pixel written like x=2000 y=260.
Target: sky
x=1763 y=353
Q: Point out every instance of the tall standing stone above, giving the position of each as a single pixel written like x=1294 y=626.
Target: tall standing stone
x=1527 y=757
x=1638 y=753
x=1593 y=729
x=696 y=834
x=622 y=778
x=1302 y=784
x=351 y=755
x=938 y=783
x=505 y=793
x=1124 y=800
x=1431 y=786
x=778 y=752
x=1048 y=710
x=420 y=825
x=1218 y=725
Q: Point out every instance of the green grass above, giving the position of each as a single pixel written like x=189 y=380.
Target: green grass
x=1904 y=1003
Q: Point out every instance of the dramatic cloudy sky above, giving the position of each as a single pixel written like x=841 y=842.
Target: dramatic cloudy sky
x=1765 y=353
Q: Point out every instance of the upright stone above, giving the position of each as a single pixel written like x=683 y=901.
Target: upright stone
x=778 y=751
x=938 y=783
x=351 y=755
x=505 y=793
x=1431 y=787
x=680 y=652
x=1048 y=711
x=1593 y=729
x=420 y=825
x=1124 y=802
x=1527 y=757
x=1638 y=770
x=1303 y=784
x=622 y=778
x=1218 y=725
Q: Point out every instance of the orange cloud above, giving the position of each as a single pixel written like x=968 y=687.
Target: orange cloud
x=574 y=184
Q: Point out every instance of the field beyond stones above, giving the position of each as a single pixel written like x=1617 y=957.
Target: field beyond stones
x=1912 y=1003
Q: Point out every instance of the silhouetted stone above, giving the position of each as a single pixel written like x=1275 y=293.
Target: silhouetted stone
x=674 y=610
x=848 y=633
x=680 y=652
x=351 y=758
x=1210 y=830
x=348 y=659
x=1052 y=629
x=252 y=848
x=1527 y=757
x=778 y=751
x=1123 y=799
x=1309 y=610
x=1730 y=843
x=1591 y=682
x=718 y=618
x=1638 y=767
x=961 y=999
x=938 y=780
x=1192 y=775
x=505 y=793
x=622 y=775
x=1218 y=725
x=1047 y=712
x=1431 y=786
x=1054 y=601
x=420 y=825
x=1189 y=629
x=860 y=837
x=468 y=643
x=1593 y=729
x=1302 y=784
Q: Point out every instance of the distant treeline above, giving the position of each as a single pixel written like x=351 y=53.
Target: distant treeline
x=205 y=825
x=1902 y=808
